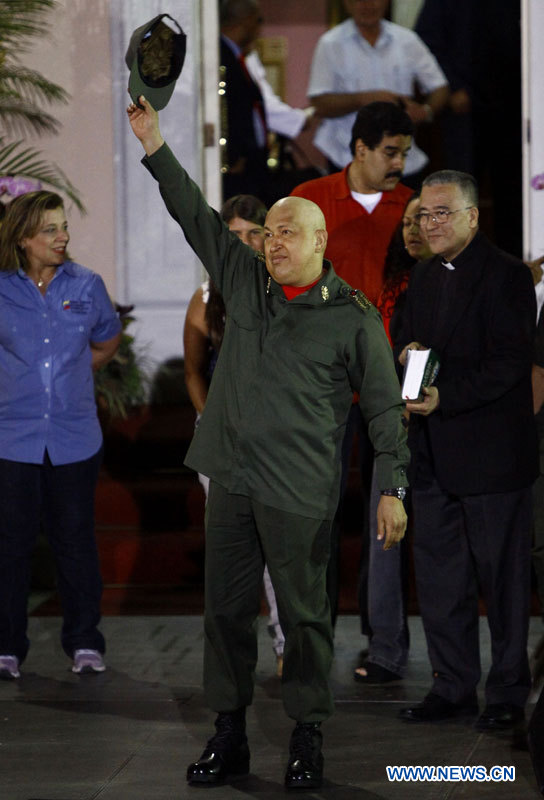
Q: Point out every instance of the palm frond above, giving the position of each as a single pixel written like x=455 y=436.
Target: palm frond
x=22 y=19
x=22 y=93
x=30 y=85
x=20 y=118
x=16 y=159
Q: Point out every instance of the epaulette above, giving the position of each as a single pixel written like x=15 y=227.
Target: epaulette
x=260 y=255
x=358 y=298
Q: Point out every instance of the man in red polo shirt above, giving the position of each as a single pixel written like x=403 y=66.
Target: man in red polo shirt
x=363 y=205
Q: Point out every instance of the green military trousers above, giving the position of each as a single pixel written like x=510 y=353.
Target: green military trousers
x=241 y=535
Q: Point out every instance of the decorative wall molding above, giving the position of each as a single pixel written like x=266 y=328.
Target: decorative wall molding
x=533 y=128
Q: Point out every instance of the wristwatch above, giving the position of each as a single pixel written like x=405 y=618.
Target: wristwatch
x=399 y=492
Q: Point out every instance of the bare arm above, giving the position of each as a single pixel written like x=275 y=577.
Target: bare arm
x=195 y=342
x=424 y=112
x=102 y=352
x=332 y=104
x=438 y=99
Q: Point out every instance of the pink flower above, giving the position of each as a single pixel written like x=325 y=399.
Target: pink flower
x=538 y=181
x=14 y=186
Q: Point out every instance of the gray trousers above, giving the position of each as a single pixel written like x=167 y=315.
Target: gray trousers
x=241 y=534
x=389 y=642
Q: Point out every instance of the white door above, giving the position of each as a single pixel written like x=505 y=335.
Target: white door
x=156 y=270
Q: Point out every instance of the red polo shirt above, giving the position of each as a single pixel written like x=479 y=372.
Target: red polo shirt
x=358 y=240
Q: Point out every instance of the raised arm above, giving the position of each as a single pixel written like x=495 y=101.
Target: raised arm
x=144 y=122
x=224 y=256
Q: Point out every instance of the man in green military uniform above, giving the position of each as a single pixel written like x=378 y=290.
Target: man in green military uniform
x=298 y=342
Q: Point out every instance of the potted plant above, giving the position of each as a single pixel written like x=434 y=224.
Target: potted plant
x=122 y=383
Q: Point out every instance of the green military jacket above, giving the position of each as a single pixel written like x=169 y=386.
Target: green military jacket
x=283 y=386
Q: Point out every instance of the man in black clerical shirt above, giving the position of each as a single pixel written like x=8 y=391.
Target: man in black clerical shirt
x=474 y=458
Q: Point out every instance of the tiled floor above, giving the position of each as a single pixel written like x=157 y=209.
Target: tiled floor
x=128 y=734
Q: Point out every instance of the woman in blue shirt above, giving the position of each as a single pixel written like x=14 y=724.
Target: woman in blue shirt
x=57 y=325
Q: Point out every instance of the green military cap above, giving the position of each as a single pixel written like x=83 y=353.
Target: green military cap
x=155 y=57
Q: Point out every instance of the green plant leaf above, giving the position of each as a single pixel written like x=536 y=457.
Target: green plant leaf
x=17 y=159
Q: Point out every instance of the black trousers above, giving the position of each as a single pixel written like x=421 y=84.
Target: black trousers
x=462 y=544
x=240 y=535
x=61 y=500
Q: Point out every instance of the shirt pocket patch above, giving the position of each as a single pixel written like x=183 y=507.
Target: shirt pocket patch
x=77 y=306
x=244 y=318
x=315 y=351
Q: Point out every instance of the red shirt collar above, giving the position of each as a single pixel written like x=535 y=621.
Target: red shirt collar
x=293 y=291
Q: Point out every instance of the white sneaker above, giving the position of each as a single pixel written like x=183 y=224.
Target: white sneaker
x=9 y=668
x=88 y=661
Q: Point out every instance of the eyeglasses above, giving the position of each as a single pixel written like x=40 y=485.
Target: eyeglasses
x=440 y=217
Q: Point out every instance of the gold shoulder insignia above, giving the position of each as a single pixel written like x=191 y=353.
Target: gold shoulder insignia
x=260 y=255
x=360 y=299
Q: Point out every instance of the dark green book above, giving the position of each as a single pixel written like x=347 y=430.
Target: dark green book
x=420 y=371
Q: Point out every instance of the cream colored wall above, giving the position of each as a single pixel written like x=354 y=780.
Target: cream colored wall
x=301 y=23
x=76 y=54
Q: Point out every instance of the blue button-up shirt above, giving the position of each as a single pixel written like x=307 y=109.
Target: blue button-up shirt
x=46 y=380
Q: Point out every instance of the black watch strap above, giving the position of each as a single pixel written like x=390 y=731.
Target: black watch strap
x=399 y=492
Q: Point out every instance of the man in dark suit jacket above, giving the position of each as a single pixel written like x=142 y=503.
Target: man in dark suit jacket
x=243 y=116
x=474 y=457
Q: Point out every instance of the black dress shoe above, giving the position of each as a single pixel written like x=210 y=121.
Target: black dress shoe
x=435 y=708
x=305 y=767
x=498 y=716
x=226 y=753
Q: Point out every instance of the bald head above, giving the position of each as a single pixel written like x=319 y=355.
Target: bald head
x=307 y=212
x=295 y=241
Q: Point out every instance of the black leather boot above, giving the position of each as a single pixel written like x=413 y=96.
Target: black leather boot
x=305 y=767
x=225 y=754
